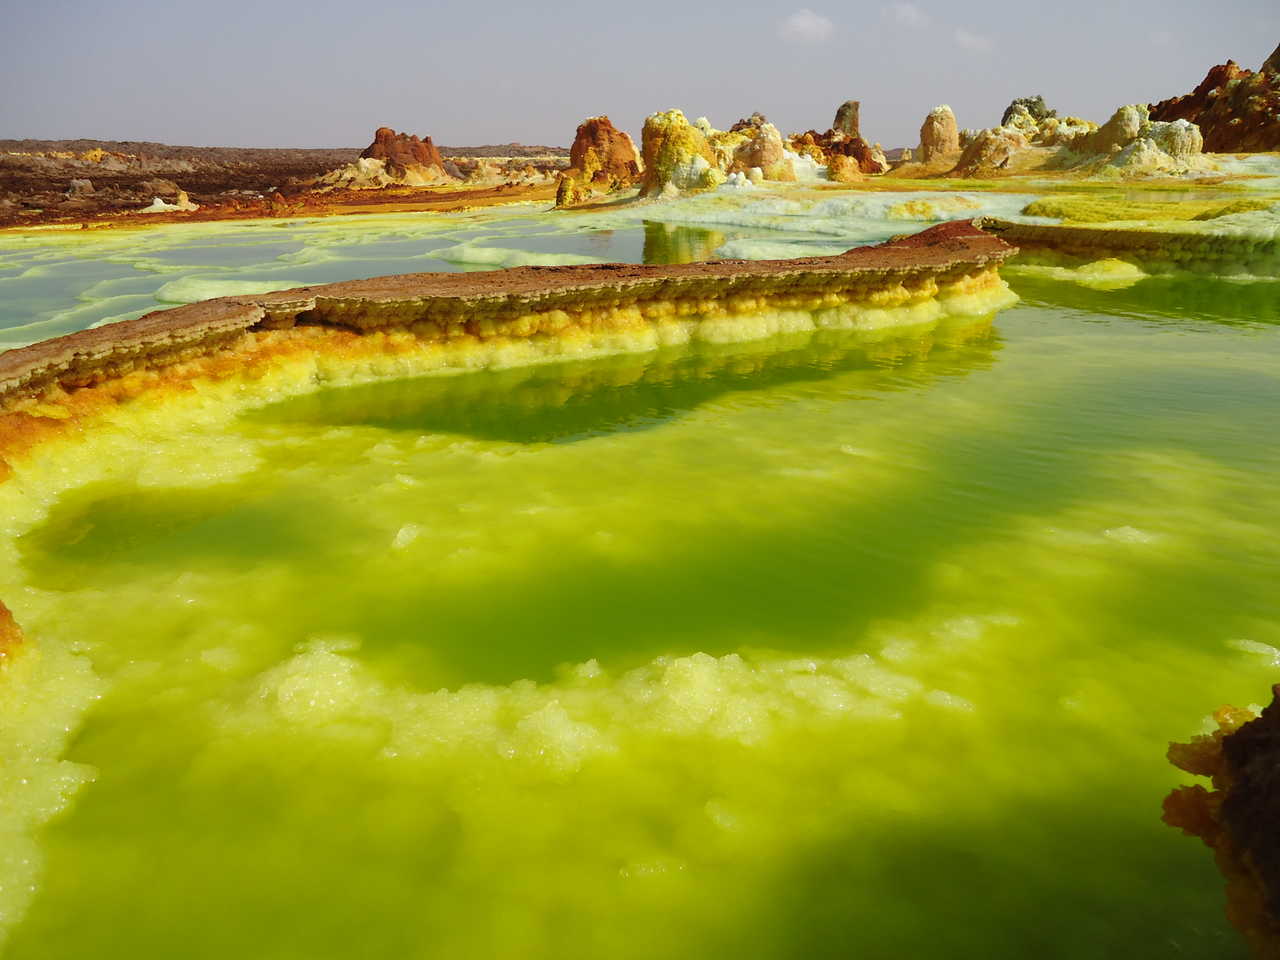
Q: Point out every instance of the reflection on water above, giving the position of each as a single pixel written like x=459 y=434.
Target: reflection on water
x=666 y=243
x=567 y=402
x=1174 y=298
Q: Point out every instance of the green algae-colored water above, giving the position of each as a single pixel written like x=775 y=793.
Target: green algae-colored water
x=833 y=644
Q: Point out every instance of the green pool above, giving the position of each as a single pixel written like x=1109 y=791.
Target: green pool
x=831 y=644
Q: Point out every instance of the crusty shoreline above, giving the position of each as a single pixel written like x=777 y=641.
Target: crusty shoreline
x=942 y=254
x=1170 y=245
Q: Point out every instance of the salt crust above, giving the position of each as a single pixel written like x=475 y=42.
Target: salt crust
x=47 y=688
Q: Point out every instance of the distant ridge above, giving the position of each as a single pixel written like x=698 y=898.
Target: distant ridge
x=340 y=154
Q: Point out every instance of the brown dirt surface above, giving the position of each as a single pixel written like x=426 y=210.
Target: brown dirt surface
x=227 y=182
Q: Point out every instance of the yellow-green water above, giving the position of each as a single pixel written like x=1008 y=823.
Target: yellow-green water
x=834 y=644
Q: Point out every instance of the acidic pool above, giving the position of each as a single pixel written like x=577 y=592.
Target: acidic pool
x=835 y=643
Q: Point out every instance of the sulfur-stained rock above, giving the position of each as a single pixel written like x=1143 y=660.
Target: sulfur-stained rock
x=1020 y=119
x=990 y=153
x=810 y=144
x=939 y=135
x=1180 y=139
x=1124 y=127
x=676 y=156
x=615 y=159
x=764 y=149
x=1130 y=144
x=749 y=125
x=1063 y=131
x=843 y=169
x=1034 y=107
x=602 y=159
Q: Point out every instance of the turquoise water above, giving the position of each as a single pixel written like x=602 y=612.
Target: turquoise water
x=834 y=644
x=55 y=283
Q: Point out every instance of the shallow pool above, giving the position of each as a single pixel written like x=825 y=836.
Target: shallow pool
x=840 y=643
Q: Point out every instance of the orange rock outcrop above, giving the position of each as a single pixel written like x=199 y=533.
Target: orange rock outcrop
x=1237 y=110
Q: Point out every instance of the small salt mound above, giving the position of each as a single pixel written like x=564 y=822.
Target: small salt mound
x=183 y=205
x=504 y=257
x=194 y=289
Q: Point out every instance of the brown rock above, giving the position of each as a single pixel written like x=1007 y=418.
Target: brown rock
x=400 y=151
x=825 y=147
x=843 y=169
x=1272 y=63
x=846 y=120
x=939 y=134
x=764 y=150
x=989 y=153
x=749 y=125
x=870 y=159
x=604 y=153
x=602 y=158
x=1236 y=110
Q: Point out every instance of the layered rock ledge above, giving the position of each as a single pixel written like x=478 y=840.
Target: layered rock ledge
x=1228 y=246
x=519 y=302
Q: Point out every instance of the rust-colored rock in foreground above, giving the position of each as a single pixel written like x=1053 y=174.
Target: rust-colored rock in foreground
x=1238 y=818
x=524 y=302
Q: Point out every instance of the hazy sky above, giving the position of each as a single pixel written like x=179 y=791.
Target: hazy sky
x=323 y=73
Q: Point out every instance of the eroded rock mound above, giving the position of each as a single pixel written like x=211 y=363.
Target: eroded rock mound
x=825 y=148
x=607 y=152
x=1132 y=144
x=763 y=148
x=749 y=125
x=1034 y=107
x=1237 y=110
x=401 y=152
x=602 y=159
x=676 y=156
x=939 y=134
x=846 y=120
x=393 y=159
x=990 y=153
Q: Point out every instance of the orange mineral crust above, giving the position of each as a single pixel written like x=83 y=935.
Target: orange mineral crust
x=1237 y=818
x=59 y=387
x=10 y=634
